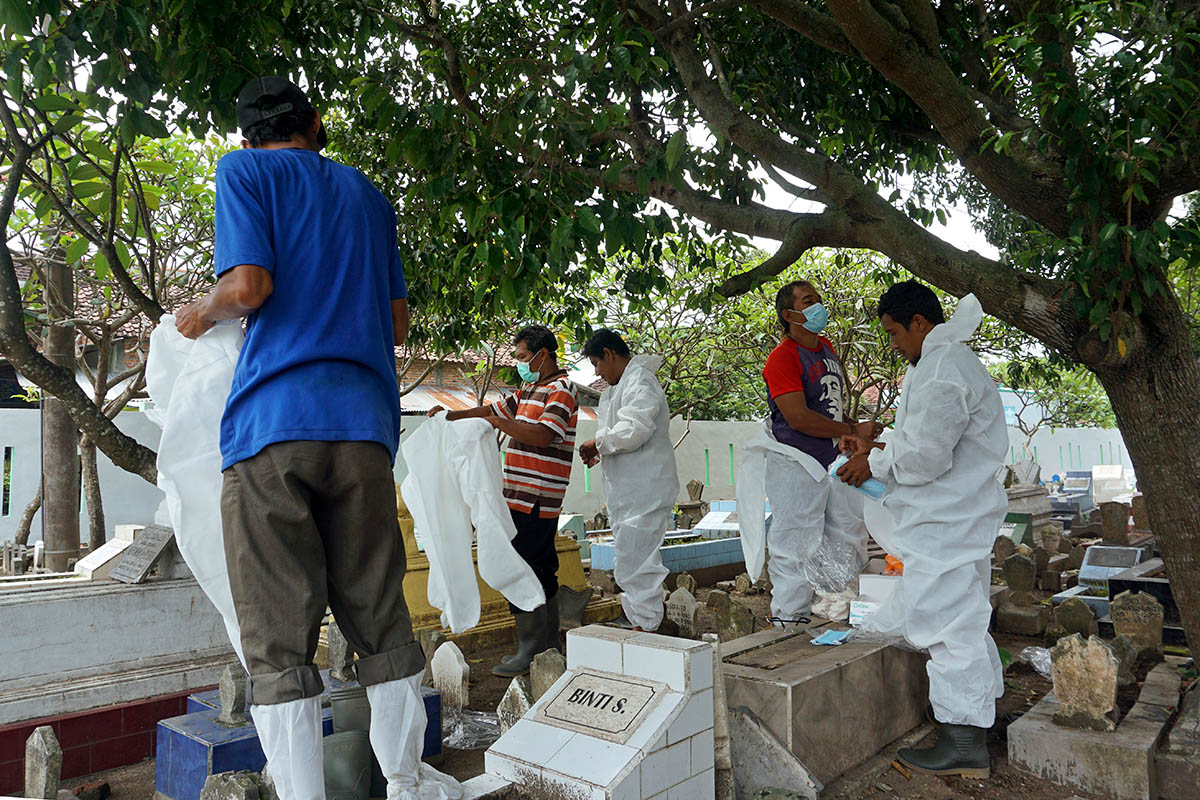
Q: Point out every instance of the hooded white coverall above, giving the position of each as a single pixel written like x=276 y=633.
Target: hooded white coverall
x=640 y=485
x=940 y=465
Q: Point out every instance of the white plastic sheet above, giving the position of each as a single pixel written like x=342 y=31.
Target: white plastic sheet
x=189 y=382
x=454 y=482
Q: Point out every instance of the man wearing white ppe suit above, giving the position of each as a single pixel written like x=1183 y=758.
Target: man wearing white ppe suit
x=940 y=467
x=640 y=482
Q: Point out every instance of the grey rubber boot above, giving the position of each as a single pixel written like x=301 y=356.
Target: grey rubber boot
x=351 y=711
x=531 y=638
x=960 y=750
x=552 y=640
x=348 y=766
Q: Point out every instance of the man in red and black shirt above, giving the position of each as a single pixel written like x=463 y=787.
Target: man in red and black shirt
x=540 y=422
x=813 y=522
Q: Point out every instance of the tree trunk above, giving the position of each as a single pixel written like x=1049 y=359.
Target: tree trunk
x=60 y=439
x=1156 y=400
x=97 y=531
x=26 y=521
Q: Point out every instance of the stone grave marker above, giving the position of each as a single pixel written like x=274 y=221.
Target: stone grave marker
x=681 y=609
x=43 y=764
x=717 y=600
x=1075 y=556
x=1075 y=616
x=695 y=489
x=451 y=675
x=1085 y=683
x=544 y=670
x=515 y=703
x=1114 y=519
x=1127 y=655
x=431 y=639
x=138 y=558
x=1041 y=559
x=233 y=786
x=684 y=580
x=341 y=655
x=734 y=622
x=1050 y=537
x=743 y=583
x=1141 y=516
x=233 y=696
x=1019 y=614
x=1020 y=574
x=1140 y=617
x=1003 y=548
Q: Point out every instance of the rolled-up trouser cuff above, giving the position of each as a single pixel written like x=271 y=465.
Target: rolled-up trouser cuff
x=390 y=666
x=294 y=683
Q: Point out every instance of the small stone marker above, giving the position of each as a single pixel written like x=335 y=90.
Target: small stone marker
x=684 y=580
x=1140 y=617
x=1050 y=538
x=1075 y=616
x=681 y=609
x=734 y=621
x=1114 y=518
x=1020 y=574
x=1127 y=656
x=232 y=786
x=341 y=655
x=717 y=600
x=515 y=704
x=743 y=583
x=1141 y=515
x=1074 y=556
x=451 y=674
x=43 y=764
x=139 y=558
x=233 y=697
x=1019 y=614
x=1041 y=559
x=546 y=668
x=694 y=489
x=1003 y=548
x=431 y=639
x=1085 y=683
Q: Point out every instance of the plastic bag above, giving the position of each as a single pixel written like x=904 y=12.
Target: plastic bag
x=470 y=730
x=1039 y=659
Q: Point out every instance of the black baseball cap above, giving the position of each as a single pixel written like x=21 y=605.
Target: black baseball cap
x=267 y=97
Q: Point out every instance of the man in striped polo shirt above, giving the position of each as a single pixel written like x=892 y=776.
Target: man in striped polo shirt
x=540 y=423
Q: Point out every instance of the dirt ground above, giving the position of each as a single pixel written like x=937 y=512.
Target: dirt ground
x=874 y=779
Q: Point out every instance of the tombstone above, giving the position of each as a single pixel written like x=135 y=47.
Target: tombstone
x=232 y=786
x=1140 y=617
x=1050 y=537
x=1085 y=683
x=233 y=697
x=515 y=703
x=43 y=764
x=1019 y=614
x=695 y=489
x=431 y=639
x=1114 y=519
x=734 y=622
x=140 y=557
x=743 y=583
x=341 y=654
x=684 y=580
x=718 y=599
x=600 y=521
x=1075 y=616
x=546 y=668
x=451 y=675
x=681 y=609
x=1127 y=656
x=1054 y=634
x=1041 y=559
x=1003 y=548
x=1141 y=515
x=1074 y=556
x=1020 y=575
x=1025 y=550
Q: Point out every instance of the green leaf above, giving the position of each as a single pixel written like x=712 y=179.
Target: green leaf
x=55 y=102
x=18 y=16
x=675 y=148
x=89 y=188
x=587 y=218
x=157 y=167
x=100 y=267
x=76 y=249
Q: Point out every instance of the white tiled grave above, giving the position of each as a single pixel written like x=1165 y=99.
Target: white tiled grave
x=630 y=719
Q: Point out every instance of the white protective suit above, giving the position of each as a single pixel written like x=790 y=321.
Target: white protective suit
x=640 y=485
x=940 y=465
x=455 y=482
x=818 y=542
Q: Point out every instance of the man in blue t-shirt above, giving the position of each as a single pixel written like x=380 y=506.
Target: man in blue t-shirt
x=817 y=539
x=306 y=252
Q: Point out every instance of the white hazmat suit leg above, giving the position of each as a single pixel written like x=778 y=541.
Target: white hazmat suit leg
x=940 y=464
x=797 y=528
x=640 y=485
x=397 y=736
x=291 y=735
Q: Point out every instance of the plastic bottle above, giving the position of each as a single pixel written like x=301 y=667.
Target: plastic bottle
x=872 y=487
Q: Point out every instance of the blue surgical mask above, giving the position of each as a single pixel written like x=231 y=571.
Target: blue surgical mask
x=816 y=317
x=527 y=374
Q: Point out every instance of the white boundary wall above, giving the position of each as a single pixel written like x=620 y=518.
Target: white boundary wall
x=704 y=454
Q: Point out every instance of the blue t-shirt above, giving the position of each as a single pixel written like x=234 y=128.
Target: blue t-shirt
x=318 y=362
x=792 y=367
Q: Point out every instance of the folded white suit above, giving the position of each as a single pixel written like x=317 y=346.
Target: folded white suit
x=189 y=382
x=454 y=482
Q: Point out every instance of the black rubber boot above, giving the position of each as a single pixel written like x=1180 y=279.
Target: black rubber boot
x=347 y=765
x=960 y=750
x=531 y=638
x=552 y=640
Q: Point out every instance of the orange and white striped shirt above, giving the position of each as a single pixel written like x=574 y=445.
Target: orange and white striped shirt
x=539 y=475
